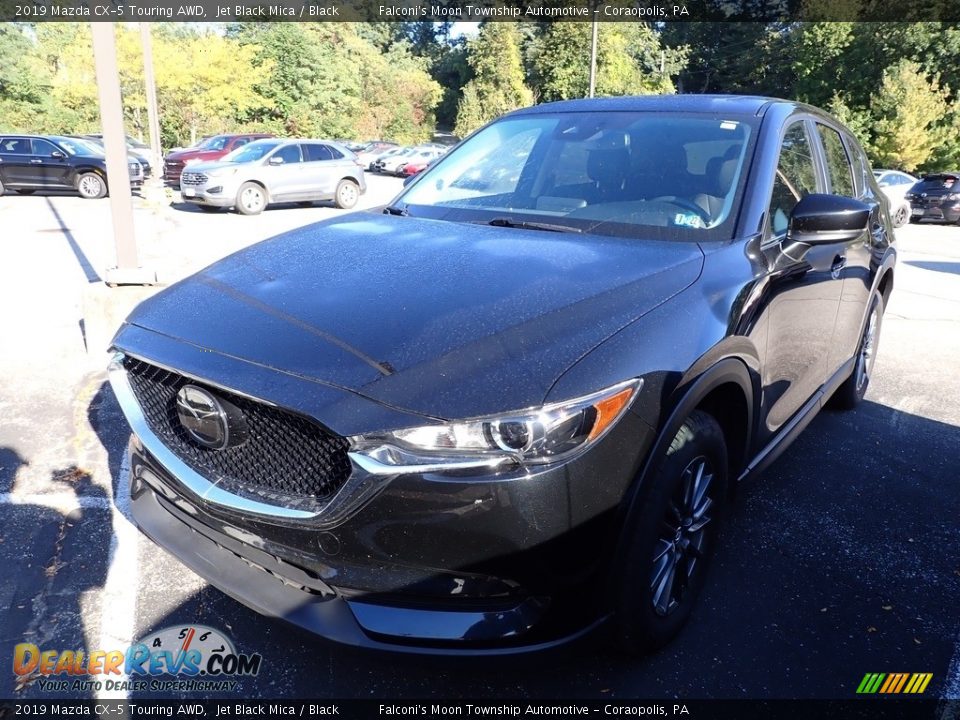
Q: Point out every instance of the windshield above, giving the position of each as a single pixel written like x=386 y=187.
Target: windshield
x=676 y=176
x=75 y=146
x=217 y=142
x=251 y=152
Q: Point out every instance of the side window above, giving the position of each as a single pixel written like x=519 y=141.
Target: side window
x=796 y=177
x=240 y=142
x=838 y=164
x=334 y=153
x=315 y=151
x=15 y=146
x=289 y=154
x=44 y=148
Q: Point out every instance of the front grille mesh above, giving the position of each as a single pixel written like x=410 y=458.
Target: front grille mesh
x=286 y=456
x=191 y=178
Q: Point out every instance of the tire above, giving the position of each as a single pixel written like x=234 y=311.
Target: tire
x=849 y=395
x=2 y=189
x=674 y=534
x=901 y=216
x=251 y=199
x=91 y=186
x=25 y=192
x=347 y=194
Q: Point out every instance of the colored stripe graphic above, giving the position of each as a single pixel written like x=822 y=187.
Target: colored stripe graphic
x=894 y=683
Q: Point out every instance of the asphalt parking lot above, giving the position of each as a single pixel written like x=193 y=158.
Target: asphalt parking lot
x=842 y=559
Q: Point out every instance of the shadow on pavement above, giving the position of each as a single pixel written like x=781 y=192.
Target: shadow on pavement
x=936 y=266
x=52 y=555
x=92 y=275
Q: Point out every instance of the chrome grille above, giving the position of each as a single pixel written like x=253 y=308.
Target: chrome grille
x=192 y=178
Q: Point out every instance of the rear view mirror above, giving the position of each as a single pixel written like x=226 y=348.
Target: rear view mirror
x=275 y=160
x=821 y=218
x=57 y=154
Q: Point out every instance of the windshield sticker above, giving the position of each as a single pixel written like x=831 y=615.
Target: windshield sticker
x=688 y=220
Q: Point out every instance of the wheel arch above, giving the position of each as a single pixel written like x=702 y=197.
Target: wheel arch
x=84 y=169
x=262 y=185
x=885 y=286
x=726 y=391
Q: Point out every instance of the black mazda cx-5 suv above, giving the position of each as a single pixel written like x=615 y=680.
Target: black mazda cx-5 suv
x=511 y=406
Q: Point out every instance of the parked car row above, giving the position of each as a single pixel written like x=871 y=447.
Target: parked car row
x=271 y=170
x=54 y=162
x=406 y=161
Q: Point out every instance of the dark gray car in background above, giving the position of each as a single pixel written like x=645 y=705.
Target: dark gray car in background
x=512 y=406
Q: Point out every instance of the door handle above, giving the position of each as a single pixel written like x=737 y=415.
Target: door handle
x=35 y=161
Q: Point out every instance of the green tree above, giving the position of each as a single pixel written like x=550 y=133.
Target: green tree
x=907 y=108
x=630 y=61
x=498 y=84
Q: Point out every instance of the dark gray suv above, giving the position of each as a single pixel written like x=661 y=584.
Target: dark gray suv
x=510 y=407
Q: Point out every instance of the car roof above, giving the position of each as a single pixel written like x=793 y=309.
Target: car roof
x=723 y=104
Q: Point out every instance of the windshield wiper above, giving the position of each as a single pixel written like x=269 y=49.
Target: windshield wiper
x=532 y=225
x=396 y=210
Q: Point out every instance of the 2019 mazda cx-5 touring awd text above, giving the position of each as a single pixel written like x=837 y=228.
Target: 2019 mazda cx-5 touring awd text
x=511 y=406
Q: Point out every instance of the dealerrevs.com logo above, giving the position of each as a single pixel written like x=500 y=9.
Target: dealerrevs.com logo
x=182 y=658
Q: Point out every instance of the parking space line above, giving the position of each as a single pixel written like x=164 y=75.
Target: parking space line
x=118 y=601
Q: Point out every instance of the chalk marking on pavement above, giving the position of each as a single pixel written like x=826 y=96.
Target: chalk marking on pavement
x=118 y=601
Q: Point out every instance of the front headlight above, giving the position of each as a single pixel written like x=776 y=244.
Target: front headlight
x=536 y=436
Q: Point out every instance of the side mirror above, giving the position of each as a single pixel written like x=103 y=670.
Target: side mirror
x=274 y=160
x=57 y=154
x=820 y=219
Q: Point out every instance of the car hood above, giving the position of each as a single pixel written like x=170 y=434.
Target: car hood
x=209 y=167
x=196 y=155
x=438 y=318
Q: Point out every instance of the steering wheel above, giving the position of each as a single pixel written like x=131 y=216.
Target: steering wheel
x=685 y=205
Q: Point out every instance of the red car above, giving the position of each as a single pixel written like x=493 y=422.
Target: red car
x=213 y=148
x=420 y=162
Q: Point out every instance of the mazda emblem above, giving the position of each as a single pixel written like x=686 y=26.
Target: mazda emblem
x=203 y=417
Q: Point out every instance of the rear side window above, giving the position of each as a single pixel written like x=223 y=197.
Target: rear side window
x=838 y=164
x=15 y=146
x=796 y=177
x=315 y=151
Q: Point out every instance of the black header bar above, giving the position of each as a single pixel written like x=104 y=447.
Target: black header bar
x=658 y=11
x=873 y=708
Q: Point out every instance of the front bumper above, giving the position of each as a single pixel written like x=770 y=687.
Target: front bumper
x=424 y=563
x=275 y=588
x=217 y=192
